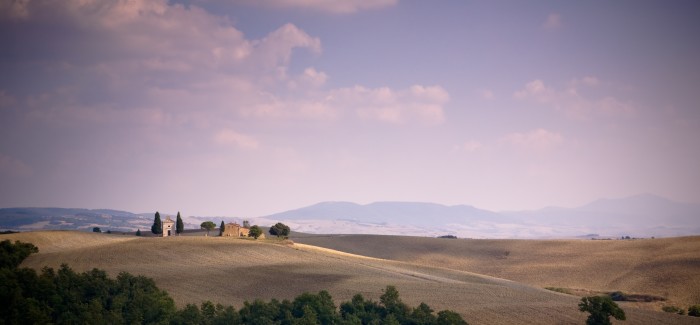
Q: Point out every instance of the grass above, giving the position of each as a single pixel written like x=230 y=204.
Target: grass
x=230 y=271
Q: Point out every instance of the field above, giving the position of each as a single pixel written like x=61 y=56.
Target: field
x=666 y=267
x=230 y=271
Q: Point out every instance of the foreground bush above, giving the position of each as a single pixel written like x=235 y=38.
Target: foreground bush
x=67 y=297
x=694 y=310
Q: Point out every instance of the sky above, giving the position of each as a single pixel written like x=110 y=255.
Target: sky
x=246 y=108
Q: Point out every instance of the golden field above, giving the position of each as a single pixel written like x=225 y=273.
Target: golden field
x=439 y=272
x=666 y=267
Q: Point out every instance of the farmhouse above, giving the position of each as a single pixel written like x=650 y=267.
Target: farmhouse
x=168 y=226
x=235 y=230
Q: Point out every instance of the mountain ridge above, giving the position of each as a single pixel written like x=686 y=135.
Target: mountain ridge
x=639 y=215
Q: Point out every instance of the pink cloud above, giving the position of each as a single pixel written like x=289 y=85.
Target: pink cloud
x=231 y=137
x=12 y=167
x=553 y=21
x=329 y=6
x=571 y=100
x=538 y=139
x=417 y=104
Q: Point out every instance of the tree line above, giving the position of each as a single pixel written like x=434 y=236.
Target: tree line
x=65 y=297
x=279 y=229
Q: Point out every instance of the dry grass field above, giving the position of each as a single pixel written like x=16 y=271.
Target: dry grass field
x=230 y=271
x=667 y=267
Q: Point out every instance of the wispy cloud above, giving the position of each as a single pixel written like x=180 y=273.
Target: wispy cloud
x=470 y=146
x=231 y=137
x=417 y=104
x=12 y=167
x=329 y=6
x=538 y=140
x=553 y=21
x=573 y=102
x=486 y=94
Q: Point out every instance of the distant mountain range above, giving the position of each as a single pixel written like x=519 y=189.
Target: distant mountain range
x=641 y=216
x=637 y=216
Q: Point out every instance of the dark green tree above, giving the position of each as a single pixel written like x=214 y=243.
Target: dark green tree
x=279 y=230
x=208 y=226
x=179 y=226
x=448 y=317
x=222 y=228
x=321 y=304
x=246 y=224
x=393 y=304
x=157 y=227
x=423 y=315
x=96 y=229
x=138 y=232
x=12 y=255
x=255 y=232
x=600 y=309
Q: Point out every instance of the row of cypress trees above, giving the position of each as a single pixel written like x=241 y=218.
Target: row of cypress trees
x=157 y=227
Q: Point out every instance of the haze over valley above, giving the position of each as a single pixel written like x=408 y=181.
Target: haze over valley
x=637 y=216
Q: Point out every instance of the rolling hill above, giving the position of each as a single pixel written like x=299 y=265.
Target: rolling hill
x=230 y=271
x=666 y=267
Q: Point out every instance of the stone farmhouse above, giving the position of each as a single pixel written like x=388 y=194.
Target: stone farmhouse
x=235 y=230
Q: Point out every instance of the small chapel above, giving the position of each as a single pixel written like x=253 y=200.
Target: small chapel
x=168 y=226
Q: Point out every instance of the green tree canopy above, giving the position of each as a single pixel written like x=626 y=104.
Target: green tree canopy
x=208 y=226
x=255 y=232
x=138 y=232
x=279 y=230
x=96 y=229
x=12 y=255
x=157 y=227
x=222 y=228
x=179 y=226
x=601 y=308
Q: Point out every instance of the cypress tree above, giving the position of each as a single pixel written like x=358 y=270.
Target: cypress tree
x=138 y=232
x=179 y=226
x=222 y=228
x=157 y=227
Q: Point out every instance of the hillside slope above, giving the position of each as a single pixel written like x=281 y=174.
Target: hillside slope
x=665 y=267
x=230 y=271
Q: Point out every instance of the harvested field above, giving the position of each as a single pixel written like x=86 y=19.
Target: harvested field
x=666 y=267
x=230 y=271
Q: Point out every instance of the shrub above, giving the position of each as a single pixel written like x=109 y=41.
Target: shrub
x=694 y=311
x=600 y=309
x=560 y=290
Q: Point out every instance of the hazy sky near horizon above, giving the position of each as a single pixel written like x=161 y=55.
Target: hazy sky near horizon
x=246 y=108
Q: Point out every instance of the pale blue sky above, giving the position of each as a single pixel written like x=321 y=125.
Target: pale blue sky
x=246 y=108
